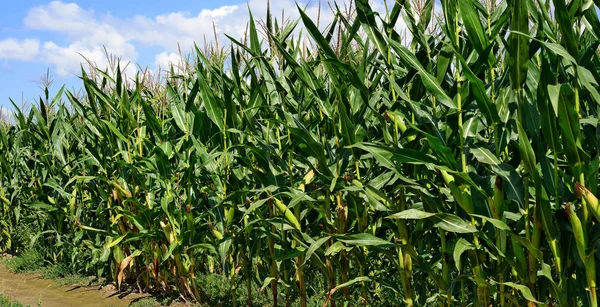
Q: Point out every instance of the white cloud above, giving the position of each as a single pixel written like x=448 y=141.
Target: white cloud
x=14 y=49
x=6 y=114
x=88 y=32
x=68 y=60
x=165 y=59
x=179 y=27
x=61 y=17
x=169 y=30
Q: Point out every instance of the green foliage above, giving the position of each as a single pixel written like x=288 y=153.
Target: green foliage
x=5 y=301
x=65 y=276
x=30 y=261
x=145 y=302
x=457 y=166
x=217 y=290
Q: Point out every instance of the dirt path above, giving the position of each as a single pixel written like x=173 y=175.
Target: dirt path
x=30 y=289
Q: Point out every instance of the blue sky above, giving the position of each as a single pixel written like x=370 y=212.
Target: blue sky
x=36 y=36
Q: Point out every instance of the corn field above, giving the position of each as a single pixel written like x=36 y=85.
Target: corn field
x=455 y=164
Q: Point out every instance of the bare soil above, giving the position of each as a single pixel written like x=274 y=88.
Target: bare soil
x=30 y=289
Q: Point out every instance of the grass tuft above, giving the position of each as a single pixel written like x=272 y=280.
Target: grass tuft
x=6 y=301
x=30 y=261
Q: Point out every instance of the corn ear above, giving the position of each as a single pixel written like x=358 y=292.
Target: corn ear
x=397 y=120
x=121 y=190
x=580 y=235
x=72 y=202
x=460 y=193
x=590 y=199
x=168 y=232
x=288 y=214
x=498 y=201
x=217 y=233
x=229 y=215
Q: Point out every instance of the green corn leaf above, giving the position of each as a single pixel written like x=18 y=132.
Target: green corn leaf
x=482 y=98
x=115 y=241
x=453 y=223
x=483 y=155
x=460 y=247
x=254 y=43
x=314 y=247
x=366 y=16
x=360 y=279
x=316 y=35
x=411 y=214
x=477 y=35
x=447 y=222
x=566 y=26
x=525 y=291
x=497 y=223
x=180 y=117
x=518 y=48
x=363 y=239
x=429 y=81
x=390 y=156
x=114 y=130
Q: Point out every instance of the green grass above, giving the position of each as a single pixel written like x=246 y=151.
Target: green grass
x=145 y=302
x=5 y=301
x=30 y=261
x=64 y=276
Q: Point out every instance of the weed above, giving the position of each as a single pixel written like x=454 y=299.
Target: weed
x=29 y=261
x=65 y=276
x=145 y=302
x=6 y=301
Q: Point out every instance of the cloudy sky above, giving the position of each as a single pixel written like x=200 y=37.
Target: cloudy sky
x=39 y=35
